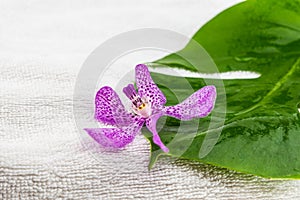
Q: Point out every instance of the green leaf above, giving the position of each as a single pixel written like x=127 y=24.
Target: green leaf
x=261 y=134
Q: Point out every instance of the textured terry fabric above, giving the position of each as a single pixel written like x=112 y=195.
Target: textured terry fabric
x=43 y=45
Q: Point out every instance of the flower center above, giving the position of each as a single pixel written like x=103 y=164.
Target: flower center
x=140 y=106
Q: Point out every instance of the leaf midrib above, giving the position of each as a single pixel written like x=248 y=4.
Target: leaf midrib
x=274 y=89
x=236 y=122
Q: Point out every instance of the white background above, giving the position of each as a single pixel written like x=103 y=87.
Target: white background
x=42 y=47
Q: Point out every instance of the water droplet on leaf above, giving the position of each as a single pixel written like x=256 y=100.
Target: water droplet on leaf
x=244 y=58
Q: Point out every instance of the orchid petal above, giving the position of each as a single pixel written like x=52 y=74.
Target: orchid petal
x=116 y=137
x=199 y=104
x=109 y=108
x=147 y=87
x=151 y=125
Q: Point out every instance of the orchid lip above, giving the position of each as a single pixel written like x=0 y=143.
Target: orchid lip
x=140 y=106
x=144 y=110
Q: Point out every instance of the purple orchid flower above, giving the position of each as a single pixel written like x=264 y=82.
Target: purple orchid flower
x=147 y=107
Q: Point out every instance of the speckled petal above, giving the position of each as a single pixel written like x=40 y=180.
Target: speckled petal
x=116 y=137
x=147 y=88
x=151 y=125
x=198 y=105
x=109 y=108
